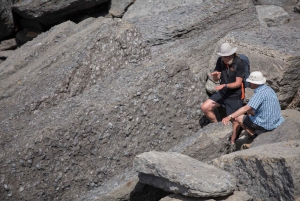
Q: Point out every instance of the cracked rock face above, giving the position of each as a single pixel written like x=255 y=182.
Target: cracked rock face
x=273 y=166
x=77 y=106
x=179 y=173
x=80 y=101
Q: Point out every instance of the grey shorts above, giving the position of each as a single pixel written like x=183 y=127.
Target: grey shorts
x=231 y=105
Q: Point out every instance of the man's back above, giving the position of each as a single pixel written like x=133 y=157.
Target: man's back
x=267 y=108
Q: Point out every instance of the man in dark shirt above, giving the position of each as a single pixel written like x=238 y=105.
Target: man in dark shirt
x=230 y=93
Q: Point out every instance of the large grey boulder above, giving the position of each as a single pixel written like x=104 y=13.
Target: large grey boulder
x=52 y=12
x=119 y=7
x=266 y=172
x=88 y=101
x=276 y=2
x=209 y=143
x=288 y=130
x=272 y=15
x=237 y=196
x=6 y=19
x=10 y=44
x=178 y=173
x=162 y=21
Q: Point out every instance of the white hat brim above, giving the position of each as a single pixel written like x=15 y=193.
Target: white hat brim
x=233 y=50
x=257 y=82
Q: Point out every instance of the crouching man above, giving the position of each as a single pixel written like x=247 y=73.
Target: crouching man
x=263 y=110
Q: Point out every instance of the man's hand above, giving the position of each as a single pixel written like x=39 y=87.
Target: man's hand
x=219 y=87
x=216 y=75
x=226 y=120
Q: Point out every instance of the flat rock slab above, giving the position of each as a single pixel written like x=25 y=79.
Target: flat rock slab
x=179 y=173
x=268 y=171
x=236 y=196
x=272 y=15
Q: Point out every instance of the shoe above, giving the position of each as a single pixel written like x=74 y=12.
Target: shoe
x=245 y=146
x=232 y=148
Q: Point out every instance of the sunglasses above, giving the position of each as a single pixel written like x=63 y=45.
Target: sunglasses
x=227 y=57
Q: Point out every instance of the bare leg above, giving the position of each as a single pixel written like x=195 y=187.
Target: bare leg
x=207 y=108
x=235 y=129
x=239 y=119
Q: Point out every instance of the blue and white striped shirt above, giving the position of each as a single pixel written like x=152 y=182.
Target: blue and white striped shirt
x=266 y=107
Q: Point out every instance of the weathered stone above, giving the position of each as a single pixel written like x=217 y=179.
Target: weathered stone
x=272 y=15
x=288 y=130
x=10 y=44
x=124 y=186
x=209 y=143
x=178 y=173
x=237 y=196
x=267 y=171
x=179 y=197
x=7 y=53
x=275 y=2
x=160 y=22
x=118 y=7
x=297 y=8
x=52 y=12
x=6 y=19
x=80 y=101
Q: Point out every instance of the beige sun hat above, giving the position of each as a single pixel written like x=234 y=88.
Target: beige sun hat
x=226 y=50
x=256 y=77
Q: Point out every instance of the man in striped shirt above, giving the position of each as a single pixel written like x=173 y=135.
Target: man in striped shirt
x=263 y=109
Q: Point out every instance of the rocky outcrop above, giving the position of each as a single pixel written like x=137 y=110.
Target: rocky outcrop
x=237 y=196
x=10 y=44
x=52 y=12
x=80 y=101
x=297 y=7
x=272 y=15
x=276 y=2
x=159 y=25
x=178 y=173
x=119 y=7
x=268 y=171
x=6 y=19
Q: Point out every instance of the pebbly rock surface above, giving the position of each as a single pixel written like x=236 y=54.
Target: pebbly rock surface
x=119 y=7
x=276 y=2
x=272 y=15
x=6 y=19
x=267 y=171
x=159 y=25
x=237 y=196
x=10 y=44
x=209 y=143
x=87 y=102
x=52 y=12
x=80 y=101
x=178 y=173
x=288 y=130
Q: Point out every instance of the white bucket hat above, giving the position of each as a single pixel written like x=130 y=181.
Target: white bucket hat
x=256 y=77
x=226 y=50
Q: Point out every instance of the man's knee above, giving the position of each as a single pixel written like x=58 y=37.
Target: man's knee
x=207 y=106
x=240 y=119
